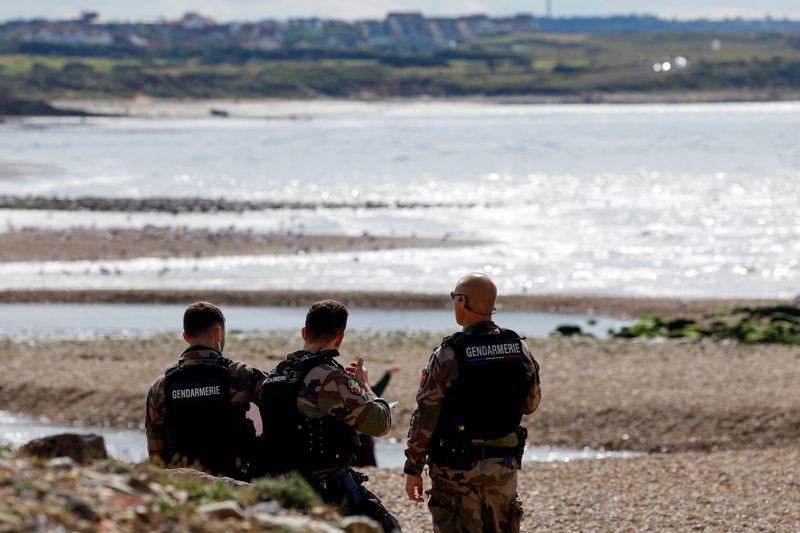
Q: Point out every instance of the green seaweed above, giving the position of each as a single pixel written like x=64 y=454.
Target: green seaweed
x=759 y=325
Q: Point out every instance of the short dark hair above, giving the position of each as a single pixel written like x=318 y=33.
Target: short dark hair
x=200 y=317
x=325 y=320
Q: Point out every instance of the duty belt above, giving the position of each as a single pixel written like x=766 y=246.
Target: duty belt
x=481 y=451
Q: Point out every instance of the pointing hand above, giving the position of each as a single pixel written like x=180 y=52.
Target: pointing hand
x=358 y=372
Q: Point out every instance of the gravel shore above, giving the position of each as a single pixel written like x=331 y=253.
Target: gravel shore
x=725 y=492
x=728 y=415
x=90 y=244
x=621 y=395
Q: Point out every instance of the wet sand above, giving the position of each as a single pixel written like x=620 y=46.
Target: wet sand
x=88 y=244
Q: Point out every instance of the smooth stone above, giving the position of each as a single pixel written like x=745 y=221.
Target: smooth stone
x=222 y=510
x=62 y=463
x=270 y=507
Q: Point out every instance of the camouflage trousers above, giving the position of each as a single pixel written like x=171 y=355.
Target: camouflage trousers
x=482 y=499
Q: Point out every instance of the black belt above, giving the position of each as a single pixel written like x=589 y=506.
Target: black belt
x=481 y=451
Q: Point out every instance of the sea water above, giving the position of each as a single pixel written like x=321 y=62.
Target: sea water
x=698 y=200
x=90 y=321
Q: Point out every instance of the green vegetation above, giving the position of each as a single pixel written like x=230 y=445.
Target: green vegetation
x=760 y=325
x=517 y=64
x=291 y=491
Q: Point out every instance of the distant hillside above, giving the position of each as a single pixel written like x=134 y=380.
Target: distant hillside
x=575 y=65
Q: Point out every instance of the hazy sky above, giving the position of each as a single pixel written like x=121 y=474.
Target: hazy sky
x=350 y=9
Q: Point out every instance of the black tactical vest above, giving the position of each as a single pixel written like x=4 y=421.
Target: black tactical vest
x=292 y=441
x=488 y=397
x=202 y=425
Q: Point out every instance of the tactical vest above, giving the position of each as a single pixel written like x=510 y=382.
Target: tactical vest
x=291 y=440
x=488 y=397
x=202 y=425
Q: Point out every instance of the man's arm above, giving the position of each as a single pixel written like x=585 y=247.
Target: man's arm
x=329 y=390
x=380 y=386
x=440 y=373
x=245 y=383
x=154 y=420
x=535 y=389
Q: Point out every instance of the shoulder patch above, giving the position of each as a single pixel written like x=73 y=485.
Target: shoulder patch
x=354 y=387
x=424 y=378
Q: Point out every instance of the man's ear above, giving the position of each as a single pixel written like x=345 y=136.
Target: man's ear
x=219 y=333
x=186 y=338
x=338 y=341
x=303 y=333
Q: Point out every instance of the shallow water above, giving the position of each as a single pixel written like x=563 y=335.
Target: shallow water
x=131 y=445
x=87 y=321
x=125 y=444
x=698 y=200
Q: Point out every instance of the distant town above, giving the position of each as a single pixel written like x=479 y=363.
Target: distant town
x=412 y=31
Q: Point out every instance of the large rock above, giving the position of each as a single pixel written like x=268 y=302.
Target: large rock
x=83 y=449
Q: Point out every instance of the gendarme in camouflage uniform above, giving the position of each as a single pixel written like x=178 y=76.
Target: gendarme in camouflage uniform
x=328 y=390
x=483 y=497
x=244 y=383
x=312 y=412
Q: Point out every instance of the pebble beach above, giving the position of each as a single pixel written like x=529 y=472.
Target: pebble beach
x=718 y=424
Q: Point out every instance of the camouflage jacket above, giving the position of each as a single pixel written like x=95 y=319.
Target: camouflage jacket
x=328 y=390
x=440 y=373
x=245 y=387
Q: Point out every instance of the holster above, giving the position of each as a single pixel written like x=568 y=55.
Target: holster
x=358 y=500
x=336 y=488
x=451 y=453
x=522 y=436
x=351 y=486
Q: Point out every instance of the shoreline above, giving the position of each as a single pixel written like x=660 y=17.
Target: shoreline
x=615 y=306
x=157 y=107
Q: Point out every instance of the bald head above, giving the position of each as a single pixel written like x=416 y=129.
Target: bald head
x=480 y=290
